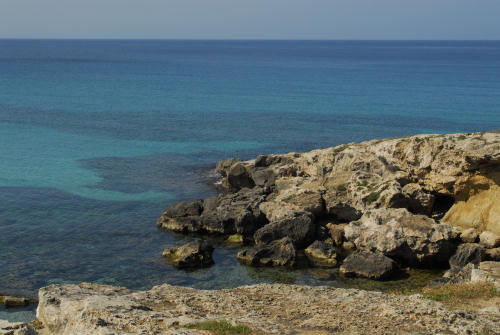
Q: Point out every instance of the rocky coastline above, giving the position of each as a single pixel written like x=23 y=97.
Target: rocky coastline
x=372 y=209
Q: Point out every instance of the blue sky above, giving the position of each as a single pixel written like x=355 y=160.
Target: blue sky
x=251 y=19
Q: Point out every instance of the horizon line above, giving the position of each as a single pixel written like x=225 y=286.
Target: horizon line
x=240 y=39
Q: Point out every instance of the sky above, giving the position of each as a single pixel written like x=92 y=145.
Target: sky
x=251 y=19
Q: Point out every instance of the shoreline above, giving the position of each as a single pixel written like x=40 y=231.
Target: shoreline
x=370 y=209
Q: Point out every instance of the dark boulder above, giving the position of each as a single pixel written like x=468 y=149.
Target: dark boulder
x=239 y=177
x=195 y=254
x=185 y=209
x=299 y=228
x=222 y=214
x=322 y=254
x=277 y=253
x=467 y=253
x=369 y=265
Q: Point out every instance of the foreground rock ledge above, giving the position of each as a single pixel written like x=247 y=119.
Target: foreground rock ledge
x=269 y=309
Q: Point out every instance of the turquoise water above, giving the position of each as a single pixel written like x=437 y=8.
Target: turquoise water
x=98 y=137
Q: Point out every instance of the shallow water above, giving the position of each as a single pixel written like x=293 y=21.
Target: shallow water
x=98 y=137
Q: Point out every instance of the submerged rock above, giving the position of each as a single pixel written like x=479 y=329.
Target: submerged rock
x=368 y=265
x=322 y=254
x=11 y=301
x=195 y=254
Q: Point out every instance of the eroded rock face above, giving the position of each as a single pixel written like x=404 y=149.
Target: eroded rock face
x=195 y=254
x=399 y=234
x=268 y=309
x=368 y=265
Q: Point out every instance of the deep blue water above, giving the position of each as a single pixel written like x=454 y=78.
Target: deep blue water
x=98 y=137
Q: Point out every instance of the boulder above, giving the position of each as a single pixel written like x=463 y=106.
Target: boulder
x=222 y=214
x=322 y=254
x=368 y=265
x=489 y=239
x=299 y=227
x=467 y=253
x=276 y=253
x=195 y=254
x=469 y=235
x=399 y=234
x=239 y=177
x=263 y=177
x=11 y=301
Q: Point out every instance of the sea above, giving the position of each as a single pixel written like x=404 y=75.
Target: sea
x=98 y=137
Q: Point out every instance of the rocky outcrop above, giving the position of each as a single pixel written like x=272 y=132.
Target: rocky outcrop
x=368 y=265
x=195 y=254
x=268 y=309
x=401 y=197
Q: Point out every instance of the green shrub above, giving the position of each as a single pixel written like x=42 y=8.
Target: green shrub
x=222 y=327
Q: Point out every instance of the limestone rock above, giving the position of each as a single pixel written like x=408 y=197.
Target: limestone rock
x=322 y=254
x=469 y=235
x=487 y=271
x=91 y=309
x=444 y=180
x=396 y=233
x=276 y=253
x=368 y=265
x=467 y=253
x=194 y=254
x=489 y=239
x=298 y=227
